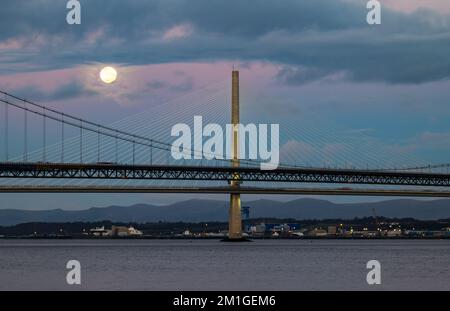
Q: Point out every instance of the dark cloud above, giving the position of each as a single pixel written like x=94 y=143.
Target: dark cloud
x=132 y=18
x=300 y=75
x=66 y=91
x=311 y=39
x=184 y=86
x=156 y=85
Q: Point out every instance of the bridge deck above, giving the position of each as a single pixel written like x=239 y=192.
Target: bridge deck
x=168 y=172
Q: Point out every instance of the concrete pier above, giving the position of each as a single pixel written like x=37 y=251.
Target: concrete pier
x=235 y=217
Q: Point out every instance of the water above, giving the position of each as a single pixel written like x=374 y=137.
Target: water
x=214 y=265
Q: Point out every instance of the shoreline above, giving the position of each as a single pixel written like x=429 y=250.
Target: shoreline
x=217 y=238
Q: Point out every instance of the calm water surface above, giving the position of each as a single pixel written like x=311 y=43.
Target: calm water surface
x=214 y=265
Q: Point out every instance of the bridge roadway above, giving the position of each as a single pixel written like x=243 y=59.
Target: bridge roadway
x=112 y=171
x=224 y=190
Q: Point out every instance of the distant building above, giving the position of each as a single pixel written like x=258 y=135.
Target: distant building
x=258 y=230
x=297 y=233
x=332 y=230
x=124 y=231
x=218 y=234
x=317 y=232
x=119 y=231
x=394 y=233
x=282 y=229
x=100 y=231
x=134 y=232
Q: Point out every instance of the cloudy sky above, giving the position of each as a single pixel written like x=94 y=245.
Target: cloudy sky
x=300 y=61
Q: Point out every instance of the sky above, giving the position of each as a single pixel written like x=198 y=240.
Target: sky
x=317 y=64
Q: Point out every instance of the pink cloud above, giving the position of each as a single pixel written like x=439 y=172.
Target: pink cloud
x=442 y=6
x=408 y=6
x=11 y=44
x=44 y=80
x=297 y=147
x=140 y=84
x=178 y=32
x=437 y=139
x=93 y=36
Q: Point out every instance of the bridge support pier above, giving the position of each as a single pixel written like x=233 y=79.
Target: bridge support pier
x=235 y=216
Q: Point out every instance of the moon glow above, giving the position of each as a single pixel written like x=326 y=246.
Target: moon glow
x=108 y=75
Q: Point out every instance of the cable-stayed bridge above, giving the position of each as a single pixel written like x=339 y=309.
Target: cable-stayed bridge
x=134 y=155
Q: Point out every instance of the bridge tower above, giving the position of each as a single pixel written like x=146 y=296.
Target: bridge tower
x=235 y=216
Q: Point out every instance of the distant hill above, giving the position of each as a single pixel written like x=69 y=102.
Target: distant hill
x=210 y=210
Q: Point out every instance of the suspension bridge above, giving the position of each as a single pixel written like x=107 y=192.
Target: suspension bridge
x=89 y=157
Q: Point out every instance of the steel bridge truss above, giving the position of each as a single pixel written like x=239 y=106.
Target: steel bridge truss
x=244 y=174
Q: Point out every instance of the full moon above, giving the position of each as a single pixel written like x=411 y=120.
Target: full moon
x=108 y=75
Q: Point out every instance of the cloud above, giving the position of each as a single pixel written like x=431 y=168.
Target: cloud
x=439 y=140
x=184 y=86
x=298 y=75
x=157 y=84
x=66 y=91
x=177 y=32
x=295 y=146
x=310 y=39
x=412 y=5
